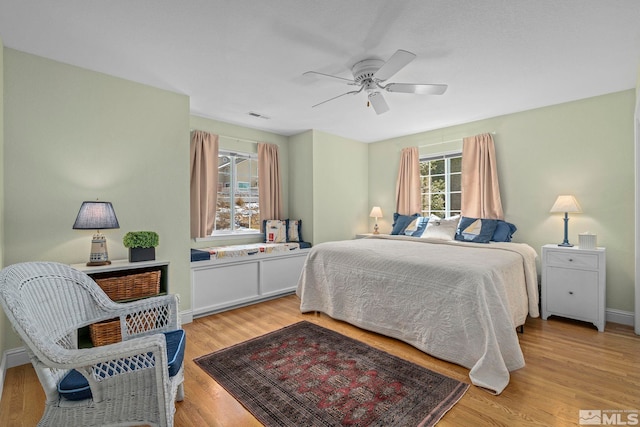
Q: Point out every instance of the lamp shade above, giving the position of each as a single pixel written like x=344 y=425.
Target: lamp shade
x=376 y=212
x=566 y=203
x=96 y=216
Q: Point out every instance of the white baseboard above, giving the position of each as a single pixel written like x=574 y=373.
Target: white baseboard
x=11 y=358
x=15 y=357
x=186 y=316
x=619 y=316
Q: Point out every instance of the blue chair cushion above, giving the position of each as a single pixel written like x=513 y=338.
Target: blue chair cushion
x=175 y=350
x=74 y=386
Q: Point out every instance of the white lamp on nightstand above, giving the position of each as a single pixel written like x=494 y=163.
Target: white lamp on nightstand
x=566 y=204
x=376 y=213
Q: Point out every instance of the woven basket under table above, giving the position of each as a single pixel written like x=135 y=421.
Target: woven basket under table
x=131 y=286
x=121 y=288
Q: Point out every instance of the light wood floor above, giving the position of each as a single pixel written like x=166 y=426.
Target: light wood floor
x=570 y=366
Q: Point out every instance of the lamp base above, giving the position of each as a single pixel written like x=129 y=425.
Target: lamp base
x=566 y=245
x=99 y=254
x=97 y=263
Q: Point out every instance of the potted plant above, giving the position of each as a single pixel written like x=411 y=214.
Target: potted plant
x=141 y=244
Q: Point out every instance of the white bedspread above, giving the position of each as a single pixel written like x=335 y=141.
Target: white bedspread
x=457 y=301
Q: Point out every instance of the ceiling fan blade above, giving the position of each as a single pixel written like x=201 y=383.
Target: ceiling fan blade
x=397 y=62
x=310 y=73
x=378 y=103
x=353 y=92
x=422 y=89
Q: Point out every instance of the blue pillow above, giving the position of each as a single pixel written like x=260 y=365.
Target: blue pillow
x=504 y=231
x=198 y=255
x=418 y=228
x=294 y=230
x=74 y=386
x=400 y=222
x=477 y=230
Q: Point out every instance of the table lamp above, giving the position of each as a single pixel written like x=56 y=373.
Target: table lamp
x=566 y=204
x=376 y=213
x=97 y=216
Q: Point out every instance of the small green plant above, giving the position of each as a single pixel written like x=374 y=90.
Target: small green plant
x=141 y=239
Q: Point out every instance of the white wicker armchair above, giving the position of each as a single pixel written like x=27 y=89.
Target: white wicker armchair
x=130 y=384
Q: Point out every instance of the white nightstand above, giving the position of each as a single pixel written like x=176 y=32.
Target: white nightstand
x=574 y=283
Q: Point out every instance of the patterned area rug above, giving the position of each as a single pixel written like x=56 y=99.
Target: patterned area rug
x=307 y=375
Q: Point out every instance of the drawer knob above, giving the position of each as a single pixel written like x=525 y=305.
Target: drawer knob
x=570 y=292
x=570 y=259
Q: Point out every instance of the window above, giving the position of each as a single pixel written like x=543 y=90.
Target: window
x=441 y=184
x=237 y=209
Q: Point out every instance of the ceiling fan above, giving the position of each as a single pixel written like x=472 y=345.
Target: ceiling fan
x=370 y=75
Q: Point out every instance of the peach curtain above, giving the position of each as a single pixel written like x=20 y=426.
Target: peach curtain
x=408 y=184
x=270 y=194
x=480 y=188
x=204 y=182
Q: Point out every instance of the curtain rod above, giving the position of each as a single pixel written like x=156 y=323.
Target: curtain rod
x=446 y=142
x=232 y=137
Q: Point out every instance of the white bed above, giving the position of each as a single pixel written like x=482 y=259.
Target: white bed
x=457 y=301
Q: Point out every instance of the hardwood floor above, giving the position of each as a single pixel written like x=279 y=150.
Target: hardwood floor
x=570 y=366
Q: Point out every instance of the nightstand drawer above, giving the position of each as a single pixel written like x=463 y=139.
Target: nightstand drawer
x=568 y=259
x=573 y=293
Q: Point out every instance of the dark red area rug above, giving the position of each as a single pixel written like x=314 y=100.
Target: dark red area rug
x=307 y=375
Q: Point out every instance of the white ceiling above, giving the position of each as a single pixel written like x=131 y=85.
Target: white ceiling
x=235 y=57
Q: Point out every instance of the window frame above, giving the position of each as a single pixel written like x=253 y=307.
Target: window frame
x=447 y=157
x=233 y=232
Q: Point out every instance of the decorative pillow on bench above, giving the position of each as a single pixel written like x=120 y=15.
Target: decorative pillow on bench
x=282 y=230
x=74 y=386
x=275 y=230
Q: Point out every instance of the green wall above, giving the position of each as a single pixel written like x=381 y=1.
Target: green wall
x=329 y=185
x=72 y=135
x=584 y=148
x=301 y=181
x=340 y=199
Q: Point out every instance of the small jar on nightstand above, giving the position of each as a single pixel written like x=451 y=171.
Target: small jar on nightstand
x=574 y=283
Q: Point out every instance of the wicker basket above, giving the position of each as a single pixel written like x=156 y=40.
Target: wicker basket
x=122 y=288
x=106 y=332
x=132 y=286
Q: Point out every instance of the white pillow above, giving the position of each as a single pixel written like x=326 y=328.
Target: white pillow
x=442 y=229
x=275 y=231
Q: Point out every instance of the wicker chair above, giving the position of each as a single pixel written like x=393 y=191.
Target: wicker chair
x=129 y=381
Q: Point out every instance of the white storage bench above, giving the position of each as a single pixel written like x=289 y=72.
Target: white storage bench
x=239 y=275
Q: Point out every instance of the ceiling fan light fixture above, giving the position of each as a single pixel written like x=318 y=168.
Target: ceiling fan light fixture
x=371 y=74
x=378 y=102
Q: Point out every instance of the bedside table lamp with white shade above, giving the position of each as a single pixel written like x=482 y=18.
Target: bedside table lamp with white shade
x=376 y=213
x=567 y=204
